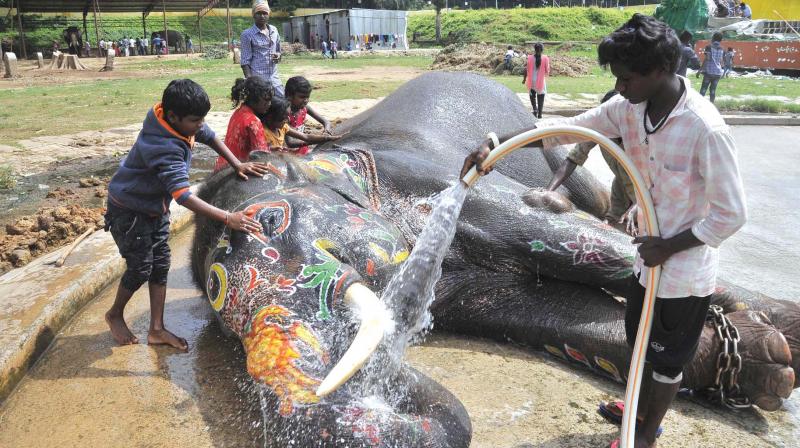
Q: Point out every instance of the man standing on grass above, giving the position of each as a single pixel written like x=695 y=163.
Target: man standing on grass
x=261 y=48
x=683 y=149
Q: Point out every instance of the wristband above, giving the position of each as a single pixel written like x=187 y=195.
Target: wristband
x=227 y=215
x=493 y=137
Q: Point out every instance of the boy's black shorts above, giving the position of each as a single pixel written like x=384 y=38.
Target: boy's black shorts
x=675 y=333
x=142 y=242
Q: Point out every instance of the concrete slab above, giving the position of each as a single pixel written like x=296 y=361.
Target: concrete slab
x=37 y=300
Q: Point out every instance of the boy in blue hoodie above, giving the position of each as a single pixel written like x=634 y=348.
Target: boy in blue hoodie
x=155 y=172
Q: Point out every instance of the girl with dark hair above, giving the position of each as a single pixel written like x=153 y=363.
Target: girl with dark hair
x=298 y=92
x=535 y=77
x=281 y=137
x=251 y=97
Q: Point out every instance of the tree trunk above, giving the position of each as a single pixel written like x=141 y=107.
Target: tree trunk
x=438 y=26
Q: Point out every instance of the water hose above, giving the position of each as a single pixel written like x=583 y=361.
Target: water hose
x=633 y=387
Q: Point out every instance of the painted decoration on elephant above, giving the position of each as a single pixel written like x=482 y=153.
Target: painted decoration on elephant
x=588 y=250
x=368 y=424
x=326 y=276
x=577 y=355
x=555 y=351
x=608 y=367
x=217 y=286
x=278 y=348
x=275 y=216
x=328 y=164
x=386 y=244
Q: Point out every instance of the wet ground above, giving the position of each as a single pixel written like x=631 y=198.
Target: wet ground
x=86 y=391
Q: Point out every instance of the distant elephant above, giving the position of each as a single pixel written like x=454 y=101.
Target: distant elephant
x=174 y=39
x=74 y=40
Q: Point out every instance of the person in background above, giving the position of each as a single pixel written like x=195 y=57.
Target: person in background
x=689 y=58
x=712 y=66
x=261 y=48
x=535 y=78
x=728 y=61
x=334 y=48
x=745 y=11
x=510 y=54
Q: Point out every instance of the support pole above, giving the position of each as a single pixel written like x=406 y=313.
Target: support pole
x=21 y=31
x=200 y=31
x=228 y=12
x=164 y=14
x=96 y=29
x=144 y=24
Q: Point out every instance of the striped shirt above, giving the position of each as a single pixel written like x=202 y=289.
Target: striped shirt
x=257 y=49
x=690 y=168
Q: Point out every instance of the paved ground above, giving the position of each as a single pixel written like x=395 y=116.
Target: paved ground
x=87 y=392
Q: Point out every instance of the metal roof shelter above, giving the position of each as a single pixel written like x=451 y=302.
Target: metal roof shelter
x=382 y=28
x=96 y=7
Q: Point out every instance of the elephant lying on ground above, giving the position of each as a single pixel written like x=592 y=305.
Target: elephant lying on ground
x=347 y=215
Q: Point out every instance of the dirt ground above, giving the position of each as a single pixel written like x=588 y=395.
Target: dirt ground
x=484 y=58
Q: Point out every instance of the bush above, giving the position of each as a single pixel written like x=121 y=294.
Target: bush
x=216 y=52
x=7 y=177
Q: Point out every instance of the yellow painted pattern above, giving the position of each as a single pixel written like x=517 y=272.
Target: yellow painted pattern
x=222 y=274
x=271 y=346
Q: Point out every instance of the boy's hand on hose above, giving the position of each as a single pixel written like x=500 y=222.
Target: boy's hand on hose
x=476 y=159
x=241 y=222
x=254 y=168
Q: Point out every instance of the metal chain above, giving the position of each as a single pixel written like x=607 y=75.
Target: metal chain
x=726 y=388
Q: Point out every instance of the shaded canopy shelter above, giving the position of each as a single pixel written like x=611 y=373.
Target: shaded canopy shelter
x=96 y=7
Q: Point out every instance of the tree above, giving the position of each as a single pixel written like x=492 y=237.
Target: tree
x=438 y=4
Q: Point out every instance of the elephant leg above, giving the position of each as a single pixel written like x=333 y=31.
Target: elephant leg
x=585 y=325
x=782 y=314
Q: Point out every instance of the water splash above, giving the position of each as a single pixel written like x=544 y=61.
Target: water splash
x=410 y=292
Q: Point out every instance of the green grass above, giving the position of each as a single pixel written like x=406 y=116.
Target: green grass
x=516 y=26
x=758 y=105
x=40 y=110
x=7 y=177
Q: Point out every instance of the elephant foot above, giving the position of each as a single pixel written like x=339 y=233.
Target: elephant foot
x=766 y=376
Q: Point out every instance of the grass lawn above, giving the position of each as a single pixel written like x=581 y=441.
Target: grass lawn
x=63 y=109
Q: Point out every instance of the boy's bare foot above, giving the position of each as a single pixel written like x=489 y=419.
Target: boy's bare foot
x=164 y=337
x=119 y=330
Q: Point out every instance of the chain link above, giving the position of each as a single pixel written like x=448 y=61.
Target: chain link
x=726 y=388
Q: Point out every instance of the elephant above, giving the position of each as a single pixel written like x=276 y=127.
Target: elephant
x=175 y=40
x=74 y=39
x=345 y=217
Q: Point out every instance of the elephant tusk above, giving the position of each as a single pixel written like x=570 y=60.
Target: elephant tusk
x=375 y=322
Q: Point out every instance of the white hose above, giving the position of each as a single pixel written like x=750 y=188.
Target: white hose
x=645 y=202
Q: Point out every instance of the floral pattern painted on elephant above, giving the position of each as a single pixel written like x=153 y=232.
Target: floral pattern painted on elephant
x=326 y=276
x=589 y=250
x=275 y=344
x=385 y=245
x=328 y=164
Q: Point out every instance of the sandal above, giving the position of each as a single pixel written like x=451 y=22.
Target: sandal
x=612 y=411
x=614 y=444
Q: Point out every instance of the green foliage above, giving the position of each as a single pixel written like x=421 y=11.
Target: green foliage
x=216 y=52
x=7 y=177
x=758 y=105
x=517 y=26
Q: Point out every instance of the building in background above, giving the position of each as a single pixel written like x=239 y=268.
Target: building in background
x=376 y=29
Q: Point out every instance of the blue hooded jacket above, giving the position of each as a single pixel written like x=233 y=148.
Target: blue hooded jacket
x=156 y=170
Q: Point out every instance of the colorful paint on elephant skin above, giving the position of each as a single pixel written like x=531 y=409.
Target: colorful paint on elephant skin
x=327 y=276
x=327 y=164
x=274 y=344
x=587 y=250
x=379 y=231
x=577 y=355
x=609 y=368
x=365 y=424
x=555 y=351
x=280 y=218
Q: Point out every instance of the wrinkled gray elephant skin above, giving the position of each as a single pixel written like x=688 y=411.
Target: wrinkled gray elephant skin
x=349 y=212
